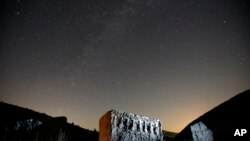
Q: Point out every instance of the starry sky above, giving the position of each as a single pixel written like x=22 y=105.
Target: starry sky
x=169 y=59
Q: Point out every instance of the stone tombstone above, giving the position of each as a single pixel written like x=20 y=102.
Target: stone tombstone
x=200 y=132
x=121 y=126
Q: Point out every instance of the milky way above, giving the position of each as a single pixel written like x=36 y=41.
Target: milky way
x=169 y=59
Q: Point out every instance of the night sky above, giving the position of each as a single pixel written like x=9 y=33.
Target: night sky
x=169 y=59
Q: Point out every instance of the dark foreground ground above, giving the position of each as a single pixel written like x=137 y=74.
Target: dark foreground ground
x=21 y=124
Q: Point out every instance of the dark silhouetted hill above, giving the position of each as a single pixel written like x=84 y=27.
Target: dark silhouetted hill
x=224 y=119
x=18 y=123
x=22 y=124
x=168 y=136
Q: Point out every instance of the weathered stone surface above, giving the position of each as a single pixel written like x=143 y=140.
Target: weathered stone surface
x=121 y=126
x=200 y=132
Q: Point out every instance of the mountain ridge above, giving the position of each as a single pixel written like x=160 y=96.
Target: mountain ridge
x=18 y=123
x=223 y=119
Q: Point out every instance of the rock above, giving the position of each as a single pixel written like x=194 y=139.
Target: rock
x=200 y=132
x=121 y=126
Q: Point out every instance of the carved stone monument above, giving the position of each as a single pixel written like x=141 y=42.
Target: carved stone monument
x=200 y=132
x=121 y=126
